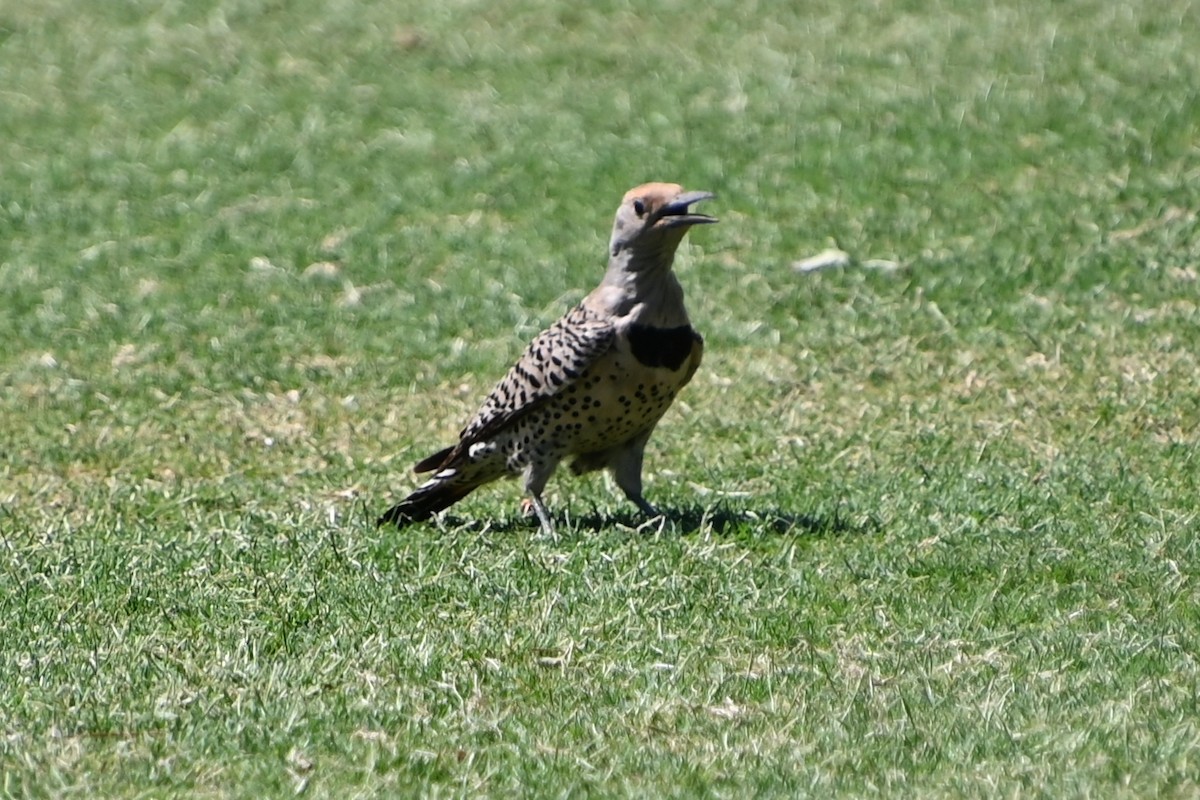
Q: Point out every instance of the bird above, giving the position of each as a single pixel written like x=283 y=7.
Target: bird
x=591 y=387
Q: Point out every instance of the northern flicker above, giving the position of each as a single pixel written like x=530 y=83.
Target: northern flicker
x=591 y=387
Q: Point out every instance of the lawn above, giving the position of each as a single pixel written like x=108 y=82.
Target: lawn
x=931 y=517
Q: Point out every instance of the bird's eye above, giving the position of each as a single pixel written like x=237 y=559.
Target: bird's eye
x=639 y=208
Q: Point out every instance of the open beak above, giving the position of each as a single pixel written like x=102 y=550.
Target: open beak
x=676 y=212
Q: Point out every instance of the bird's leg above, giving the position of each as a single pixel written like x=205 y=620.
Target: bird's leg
x=626 y=466
x=536 y=476
x=542 y=514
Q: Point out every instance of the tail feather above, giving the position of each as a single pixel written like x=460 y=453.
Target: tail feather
x=435 y=496
x=435 y=461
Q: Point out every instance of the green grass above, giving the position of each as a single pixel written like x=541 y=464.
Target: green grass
x=934 y=531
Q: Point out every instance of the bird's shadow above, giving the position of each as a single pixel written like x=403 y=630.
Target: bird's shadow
x=720 y=519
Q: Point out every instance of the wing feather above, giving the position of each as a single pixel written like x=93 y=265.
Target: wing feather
x=553 y=360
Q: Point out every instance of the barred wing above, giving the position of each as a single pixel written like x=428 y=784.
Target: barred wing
x=553 y=360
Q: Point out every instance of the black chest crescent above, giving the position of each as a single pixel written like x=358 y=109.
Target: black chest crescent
x=662 y=347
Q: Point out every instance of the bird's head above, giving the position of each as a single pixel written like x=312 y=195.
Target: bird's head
x=652 y=220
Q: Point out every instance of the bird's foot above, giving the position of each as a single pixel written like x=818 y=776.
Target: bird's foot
x=650 y=511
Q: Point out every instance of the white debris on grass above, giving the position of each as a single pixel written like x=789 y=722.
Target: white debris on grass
x=830 y=258
x=835 y=258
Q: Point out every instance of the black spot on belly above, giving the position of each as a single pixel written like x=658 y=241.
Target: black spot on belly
x=662 y=347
